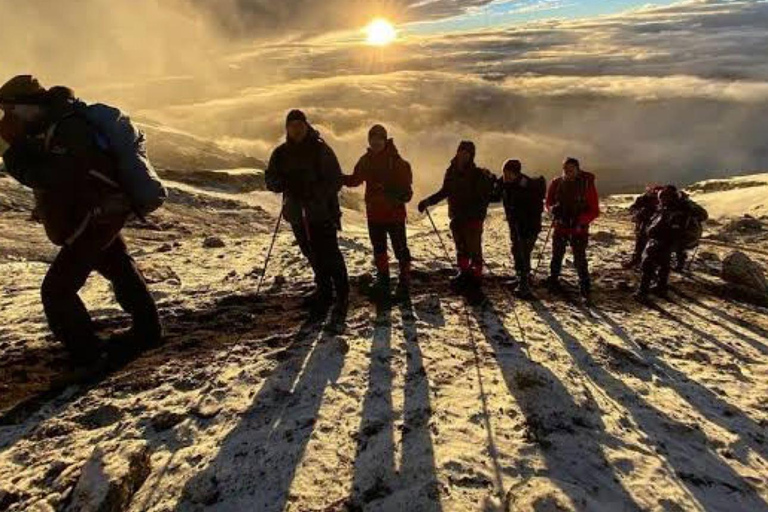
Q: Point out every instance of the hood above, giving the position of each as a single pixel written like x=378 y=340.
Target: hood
x=389 y=150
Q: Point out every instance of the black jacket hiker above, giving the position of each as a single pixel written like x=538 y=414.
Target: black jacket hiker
x=309 y=176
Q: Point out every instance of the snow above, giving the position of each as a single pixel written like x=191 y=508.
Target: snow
x=427 y=405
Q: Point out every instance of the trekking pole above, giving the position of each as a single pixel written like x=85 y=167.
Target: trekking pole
x=269 y=252
x=543 y=249
x=693 y=258
x=437 y=232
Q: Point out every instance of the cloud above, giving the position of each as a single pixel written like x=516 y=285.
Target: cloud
x=674 y=92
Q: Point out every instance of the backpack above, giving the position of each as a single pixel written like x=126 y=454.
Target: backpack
x=539 y=192
x=119 y=136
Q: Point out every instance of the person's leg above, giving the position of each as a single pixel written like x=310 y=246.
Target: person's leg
x=131 y=292
x=681 y=257
x=399 y=236
x=378 y=235
x=325 y=244
x=580 y=261
x=525 y=250
x=475 y=247
x=559 y=245
x=649 y=266
x=324 y=285
x=458 y=229
x=664 y=260
x=67 y=316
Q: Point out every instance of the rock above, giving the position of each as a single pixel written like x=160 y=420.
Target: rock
x=745 y=225
x=99 y=418
x=160 y=273
x=166 y=420
x=604 y=238
x=213 y=242
x=111 y=477
x=165 y=248
x=205 y=491
x=709 y=256
x=8 y=498
x=207 y=408
x=743 y=273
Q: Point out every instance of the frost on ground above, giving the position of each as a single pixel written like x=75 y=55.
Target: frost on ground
x=425 y=405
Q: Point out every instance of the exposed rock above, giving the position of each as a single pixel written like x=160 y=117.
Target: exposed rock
x=101 y=417
x=745 y=225
x=207 y=408
x=604 y=238
x=205 y=491
x=213 y=242
x=111 y=477
x=166 y=420
x=744 y=274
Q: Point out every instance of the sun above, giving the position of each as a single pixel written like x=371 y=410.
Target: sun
x=380 y=32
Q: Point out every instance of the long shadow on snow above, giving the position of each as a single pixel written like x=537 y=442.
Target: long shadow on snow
x=709 y=404
x=187 y=333
x=257 y=461
x=554 y=420
x=683 y=447
x=375 y=476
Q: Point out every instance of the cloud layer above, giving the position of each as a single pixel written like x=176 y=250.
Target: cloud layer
x=672 y=93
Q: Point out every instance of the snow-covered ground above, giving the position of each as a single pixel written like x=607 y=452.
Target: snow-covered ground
x=429 y=404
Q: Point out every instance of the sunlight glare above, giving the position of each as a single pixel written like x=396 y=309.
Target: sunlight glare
x=380 y=32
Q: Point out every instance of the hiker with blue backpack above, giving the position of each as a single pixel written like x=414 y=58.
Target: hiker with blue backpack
x=89 y=171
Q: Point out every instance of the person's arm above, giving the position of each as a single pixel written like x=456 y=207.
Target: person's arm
x=551 y=200
x=357 y=177
x=330 y=177
x=593 y=205
x=274 y=177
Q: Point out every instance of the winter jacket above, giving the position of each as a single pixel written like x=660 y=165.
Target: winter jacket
x=388 y=180
x=309 y=176
x=678 y=225
x=523 y=205
x=644 y=207
x=574 y=204
x=58 y=163
x=469 y=192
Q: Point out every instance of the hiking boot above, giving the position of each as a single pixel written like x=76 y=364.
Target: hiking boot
x=641 y=296
x=553 y=284
x=660 y=291
x=382 y=283
x=317 y=299
x=461 y=280
x=524 y=291
x=338 y=322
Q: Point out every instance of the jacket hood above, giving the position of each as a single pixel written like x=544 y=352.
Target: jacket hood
x=390 y=149
x=312 y=136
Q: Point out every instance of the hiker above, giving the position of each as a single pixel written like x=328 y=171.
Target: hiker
x=523 y=199
x=73 y=156
x=469 y=190
x=305 y=170
x=692 y=231
x=388 y=189
x=666 y=230
x=642 y=211
x=573 y=202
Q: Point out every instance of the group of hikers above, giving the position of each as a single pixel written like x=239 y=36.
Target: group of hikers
x=88 y=168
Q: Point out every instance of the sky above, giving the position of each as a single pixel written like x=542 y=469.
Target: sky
x=645 y=92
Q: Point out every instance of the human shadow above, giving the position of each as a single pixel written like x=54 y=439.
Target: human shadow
x=712 y=482
x=554 y=420
x=418 y=453
x=725 y=319
x=707 y=402
x=374 y=469
x=257 y=461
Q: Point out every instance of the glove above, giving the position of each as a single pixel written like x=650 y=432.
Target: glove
x=423 y=205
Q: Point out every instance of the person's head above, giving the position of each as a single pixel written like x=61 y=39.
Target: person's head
x=668 y=195
x=465 y=154
x=571 y=167
x=512 y=170
x=377 y=138
x=23 y=98
x=296 y=126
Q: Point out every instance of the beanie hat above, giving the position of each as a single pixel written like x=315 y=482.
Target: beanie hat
x=513 y=166
x=378 y=131
x=467 y=146
x=296 y=115
x=574 y=161
x=23 y=90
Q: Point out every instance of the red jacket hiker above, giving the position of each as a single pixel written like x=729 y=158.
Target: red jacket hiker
x=573 y=203
x=388 y=180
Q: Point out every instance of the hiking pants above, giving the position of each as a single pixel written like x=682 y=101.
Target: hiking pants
x=522 y=249
x=657 y=262
x=641 y=241
x=468 y=236
x=578 y=245
x=397 y=234
x=67 y=316
x=319 y=243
